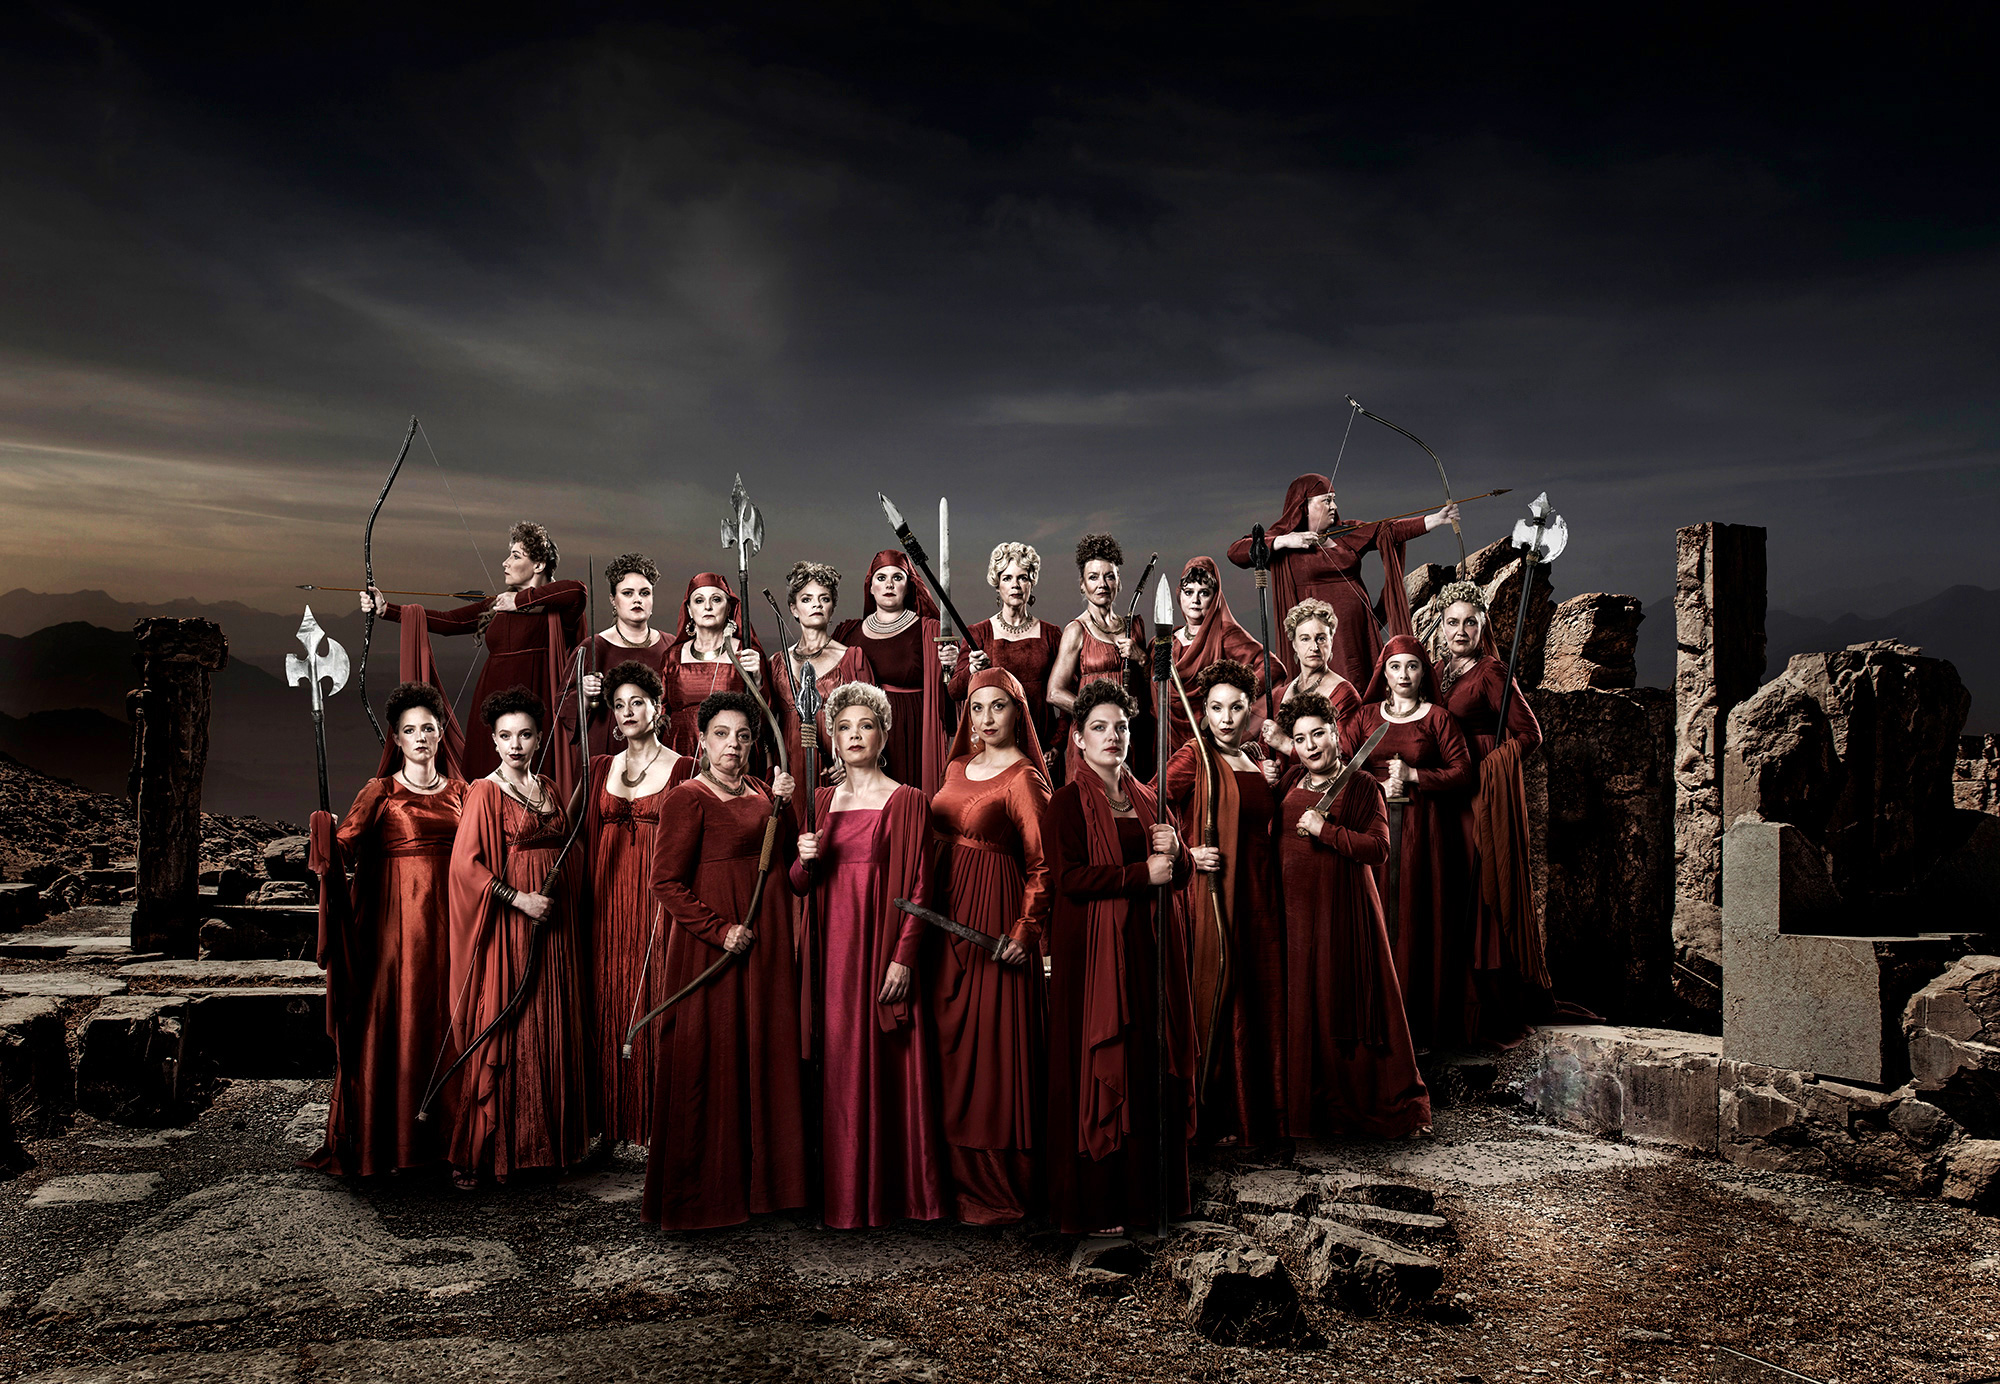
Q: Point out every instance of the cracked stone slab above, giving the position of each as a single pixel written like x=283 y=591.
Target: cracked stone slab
x=95 y=1188
x=665 y=1269
x=307 y=1129
x=62 y=985
x=1495 y=1163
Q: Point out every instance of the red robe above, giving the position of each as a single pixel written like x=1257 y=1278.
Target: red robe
x=882 y=1143
x=1352 y=1067
x=1029 y=660
x=1245 y=1069
x=606 y=654
x=1340 y=695
x=1104 y=1121
x=523 y=1100
x=689 y=683
x=628 y=951
x=913 y=677
x=729 y=1135
x=1221 y=637
x=1097 y=658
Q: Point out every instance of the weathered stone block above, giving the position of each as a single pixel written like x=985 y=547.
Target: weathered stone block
x=1372 y=1190
x=1975 y=777
x=1591 y=642
x=1364 y=1271
x=132 y=1063
x=34 y=1060
x=1410 y=1228
x=1953 y=1029
x=1240 y=1294
x=20 y=904
x=276 y=891
x=285 y=858
x=1972 y=1174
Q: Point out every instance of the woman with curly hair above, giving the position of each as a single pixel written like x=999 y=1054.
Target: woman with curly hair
x=1097 y=645
x=1209 y=633
x=529 y=630
x=898 y=630
x=817 y=658
x=1309 y=629
x=697 y=663
x=385 y=944
x=523 y=1100
x=629 y=638
x=881 y=1144
x=1012 y=638
x=1351 y=1067
x=628 y=938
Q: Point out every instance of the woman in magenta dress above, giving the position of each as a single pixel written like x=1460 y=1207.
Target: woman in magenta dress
x=1351 y=1065
x=1423 y=764
x=987 y=820
x=882 y=1145
x=1014 y=639
x=1309 y=629
x=1098 y=645
x=697 y=666
x=628 y=939
x=385 y=945
x=898 y=632
x=630 y=637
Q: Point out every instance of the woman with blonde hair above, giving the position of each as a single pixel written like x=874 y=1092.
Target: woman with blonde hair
x=1014 y=639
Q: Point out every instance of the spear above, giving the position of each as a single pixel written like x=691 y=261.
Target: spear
x=1163 y=667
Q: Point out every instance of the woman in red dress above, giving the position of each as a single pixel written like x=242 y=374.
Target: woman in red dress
x=1305 y=561
x=528 y=629
x=1309 y=628
x=815 y=592
x=1510 y=968
x=898 y=630
x=385 y=946
x=729 y=1137
x=698 y=666
x=629 y=638
x=523 y=1097
x=1352 y=1067
x=1208 y=634
x=989 y=1013
x=881 y=1144
x=1098 y=644
x=1014 y=639
x=1423 y=764
x=1109 y=855
x=628 y=939
x=1238 y=1025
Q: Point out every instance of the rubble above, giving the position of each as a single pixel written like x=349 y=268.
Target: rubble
x=1591 y=642
x=131 y=1063
x=1364 y=1272
x=1952 y=1026
x=1239 y=1293
x=1975 y=777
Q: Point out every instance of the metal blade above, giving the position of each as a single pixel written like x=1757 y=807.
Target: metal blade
x=752 y=537
x=1355 y=764
x=953 y=926
x=895 y=515
x=1163 y=604
x=944 y=543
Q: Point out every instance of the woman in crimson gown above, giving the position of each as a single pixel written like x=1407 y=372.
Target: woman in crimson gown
x=815 y=593
x=630 y=637
x=898 y=630
x=1510 y=968
x=524 y=1097
x=1423 y=764
x=729 y=1137
x=1307 y=561
x=698 y=666
x=1352 y=1066
x=628 y=936
x=881 y=1143
x=1239 y=1029
x=528 y=629
x=1109 y=855
x=1209 y=633
x=385 y=945
x=1015 y=640
x=1098 y=645
x=987 y=820
x=1309 y=629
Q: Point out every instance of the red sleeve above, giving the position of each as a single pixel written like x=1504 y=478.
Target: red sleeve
x=566 y=598
x=1521 y=722
x=1407 y=529
x=461 y=621
x=676 y=858
x=1239 y=551
x=1027 y=804
x=1079 y=878
x=1457 y=775
x=1181 y=773
x=1366 y=845
x=360 y=818
x=913 y=816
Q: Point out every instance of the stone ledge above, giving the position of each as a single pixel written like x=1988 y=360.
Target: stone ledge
x=183 y=975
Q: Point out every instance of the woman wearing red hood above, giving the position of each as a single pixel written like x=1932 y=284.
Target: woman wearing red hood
x=1303 y=563
x=1423 y=765
x=697 y=666
x=898 y=632
x=1209 y=635
x=987 y=820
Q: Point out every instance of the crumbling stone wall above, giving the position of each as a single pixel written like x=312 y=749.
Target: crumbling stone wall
x=1975 y=781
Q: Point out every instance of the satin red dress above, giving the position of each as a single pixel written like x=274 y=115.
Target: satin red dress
x=1029 y=660
x=1095 y=659
x=628 y=947
x=524 y=1098
x=905 y=665
x=729 y=1135
x=1244 y=1094
x=1333 y=574
x=398 y=846
x=688 y=686
x=990 y=1016
x=1429 y=921
x=1352 y=1065
x=606 y=654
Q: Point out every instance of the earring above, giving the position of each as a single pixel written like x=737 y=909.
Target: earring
x=617 y=732
x=1031 y=600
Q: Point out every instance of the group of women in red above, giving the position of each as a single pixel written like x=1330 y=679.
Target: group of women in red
x=690 y=932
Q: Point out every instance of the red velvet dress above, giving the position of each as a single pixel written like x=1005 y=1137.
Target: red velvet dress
x=990 y=1016
x=397 y=950
x=1341 y=695
x=1029 y=660
x=628 y=950
x=906 y=665
x=1244 y=1095
x=881 y=1142
x=1095 y=659
x=1104 y=1125
x=1351 y=1065
x=606 y=654
x=853 y=667
x=688 y=686
x=729 y=1134
x=518 y=653
x=1429 y=923
x=1333 y=574
x=524 y=1098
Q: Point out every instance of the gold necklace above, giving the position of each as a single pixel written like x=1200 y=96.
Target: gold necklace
x=540 y=809
x=1001 y=623
x=1090 y=619
x=738 y=791
x=618 y=633
x=631 y=782
x=415 y=787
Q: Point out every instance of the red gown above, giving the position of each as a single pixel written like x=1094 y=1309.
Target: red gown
x=393 y=988
x=1351 y=1064
x=907 y=667
x=729 y=1135
x=524 y=1097
x=1340 y=695
x=628 y=946
x=1104 y=1125
x=1097 y=658
x=688 y=686
x=606 y=654
x=1221 y=636
x=989 y=1015
x=882 y=1144
x=1029 y=660
x=1244 y=1094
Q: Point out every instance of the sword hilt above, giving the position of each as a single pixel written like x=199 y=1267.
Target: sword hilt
x=1263 y=577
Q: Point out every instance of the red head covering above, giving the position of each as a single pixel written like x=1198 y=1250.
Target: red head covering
x=1298 y=495
x=1378 y=685
x=919 y=598
x=1221 y=635
x=746 y=637
x=1025 y=738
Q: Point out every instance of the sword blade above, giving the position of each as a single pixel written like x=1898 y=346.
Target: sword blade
x=990 y=945
x=1354 y=765
x=944 y=542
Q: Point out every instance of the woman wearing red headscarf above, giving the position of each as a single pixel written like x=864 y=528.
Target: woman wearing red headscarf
x=1209 y=634
x=1304 y=562
x=989 y=1013
x=898 y=631
x=698 y=666
x=1012 y=638
x=1424 y=766
x=1109 y=855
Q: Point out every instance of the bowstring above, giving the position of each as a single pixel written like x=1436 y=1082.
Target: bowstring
x=473 y=666
x=1354 y=412
x=1351 y=413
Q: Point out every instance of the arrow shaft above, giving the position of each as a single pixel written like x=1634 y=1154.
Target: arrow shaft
x=1408 y=514
x=454 y=595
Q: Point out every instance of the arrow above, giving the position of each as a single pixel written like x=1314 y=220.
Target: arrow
x=454 y=595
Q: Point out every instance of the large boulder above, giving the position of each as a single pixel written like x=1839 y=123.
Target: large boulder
x=1239 y=1294
x=1953 y=1027
x=285 y=858
x=1363 y=1271
x=1591 y=642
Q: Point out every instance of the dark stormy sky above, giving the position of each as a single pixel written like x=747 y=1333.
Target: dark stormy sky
x=1077 y=270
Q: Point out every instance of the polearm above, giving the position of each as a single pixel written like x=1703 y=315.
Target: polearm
x=312 y=668
x=1163 y=668
x=805 y=702
x=915 y=548
x=743 y=530
x=1540 y=542
x=1410 y=514
x=1260 y=558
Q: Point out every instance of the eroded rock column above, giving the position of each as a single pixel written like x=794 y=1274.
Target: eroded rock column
x=169 y=711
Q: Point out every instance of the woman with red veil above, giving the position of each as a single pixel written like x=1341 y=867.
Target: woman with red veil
x=898 y=633
x=697 y=664
x=1210 y=633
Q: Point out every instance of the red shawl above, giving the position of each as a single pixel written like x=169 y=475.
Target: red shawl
x=1222 y=636
x=1500 y=821
x=1025 y=738
x=418 y=665
x=684 y=631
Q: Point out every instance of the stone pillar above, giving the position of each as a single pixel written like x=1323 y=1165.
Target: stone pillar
x=1719 y=635
x=170 y=750
x=1975 y=780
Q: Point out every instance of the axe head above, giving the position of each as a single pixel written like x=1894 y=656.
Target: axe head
x=743 y=526
x=314 y=666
